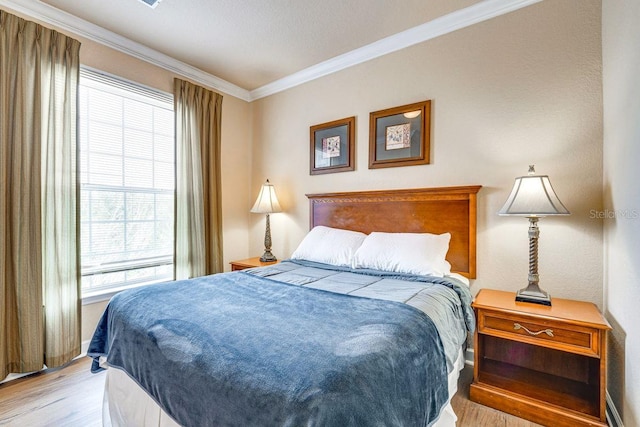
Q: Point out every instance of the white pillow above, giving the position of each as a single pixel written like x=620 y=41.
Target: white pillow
x=412 y=253
x=329 y=246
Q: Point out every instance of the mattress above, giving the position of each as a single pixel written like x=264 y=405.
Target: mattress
x=126 y=404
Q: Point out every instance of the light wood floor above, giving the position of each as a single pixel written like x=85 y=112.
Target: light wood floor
x=72 y=396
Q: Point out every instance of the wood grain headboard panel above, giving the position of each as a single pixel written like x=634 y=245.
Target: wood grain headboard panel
x=424 y=210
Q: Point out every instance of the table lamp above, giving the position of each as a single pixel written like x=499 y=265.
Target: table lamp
x=267 y=203
x=532 y=196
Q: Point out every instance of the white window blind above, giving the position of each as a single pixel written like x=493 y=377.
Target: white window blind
x=127 y=161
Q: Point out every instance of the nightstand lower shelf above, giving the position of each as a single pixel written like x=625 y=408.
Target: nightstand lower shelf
x=545 y=388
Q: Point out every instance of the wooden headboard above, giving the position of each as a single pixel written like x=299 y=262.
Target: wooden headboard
x=424 y=210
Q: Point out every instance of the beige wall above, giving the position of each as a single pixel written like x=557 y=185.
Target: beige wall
x=621 y=86
x=524 y=88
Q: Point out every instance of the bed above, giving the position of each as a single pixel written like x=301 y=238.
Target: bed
x=342 y=333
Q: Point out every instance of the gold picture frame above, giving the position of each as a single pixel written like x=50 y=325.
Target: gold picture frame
x=400 y=136
x=332 y=146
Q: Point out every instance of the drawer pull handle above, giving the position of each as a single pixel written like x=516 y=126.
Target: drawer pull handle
x=517 y=326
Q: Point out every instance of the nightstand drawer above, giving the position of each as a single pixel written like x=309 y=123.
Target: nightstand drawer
x=557 y=335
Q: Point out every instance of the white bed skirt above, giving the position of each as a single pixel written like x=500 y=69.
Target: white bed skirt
x=126 y=404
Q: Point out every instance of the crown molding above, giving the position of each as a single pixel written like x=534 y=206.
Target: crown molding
x=67 y=22
x=462 y=18
x=479 y=12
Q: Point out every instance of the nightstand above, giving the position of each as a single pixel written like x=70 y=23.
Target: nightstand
x=249 y=263
x=544 y=364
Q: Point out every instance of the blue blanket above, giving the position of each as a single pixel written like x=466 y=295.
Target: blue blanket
x=234 y=349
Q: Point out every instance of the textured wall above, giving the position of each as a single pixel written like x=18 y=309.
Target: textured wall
x=621 y=88
x=524 y=88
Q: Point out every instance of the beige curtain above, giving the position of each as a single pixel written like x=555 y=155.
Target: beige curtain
x=39 y=286
x=198 y=241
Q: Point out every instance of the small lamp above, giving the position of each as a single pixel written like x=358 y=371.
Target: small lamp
x=532 y=196
x=267 y=203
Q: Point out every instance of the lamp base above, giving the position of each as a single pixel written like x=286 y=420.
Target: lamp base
x=533 y=294
x=267 y=256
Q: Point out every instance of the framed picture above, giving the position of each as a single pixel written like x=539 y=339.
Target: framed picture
x=333 y=146
x=400 y=136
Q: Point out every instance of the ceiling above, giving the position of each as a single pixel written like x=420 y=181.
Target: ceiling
x=251 y=48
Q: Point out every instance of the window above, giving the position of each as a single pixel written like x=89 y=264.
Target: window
x=127 y=161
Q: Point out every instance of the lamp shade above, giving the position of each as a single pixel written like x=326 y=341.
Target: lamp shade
x=267 y=202
x=533 y=196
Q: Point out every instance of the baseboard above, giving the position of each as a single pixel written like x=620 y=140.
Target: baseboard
x=613 y=416
x=12 y=377
x=469 y=357
x=84 y=346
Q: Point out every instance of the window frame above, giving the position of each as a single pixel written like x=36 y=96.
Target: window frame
x=96 y=79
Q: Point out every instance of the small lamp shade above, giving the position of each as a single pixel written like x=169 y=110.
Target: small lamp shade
x=533 y=196
x=267 y=201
